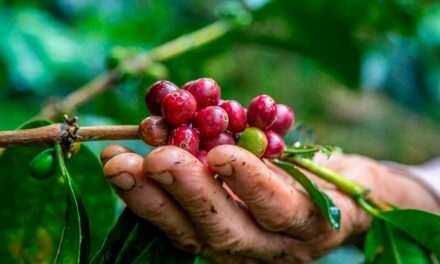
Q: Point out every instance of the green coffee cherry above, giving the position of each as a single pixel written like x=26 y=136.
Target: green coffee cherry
x=42 y=165
x=254 y=140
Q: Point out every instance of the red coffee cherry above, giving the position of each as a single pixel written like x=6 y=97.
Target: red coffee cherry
x=179 y=107
x=155 y=94
x=186 y=138
x=284 y=120
x=206 y=91
x=187 y=85
x=153 y=130
x=261 y=111
x=221 y=139
x=275 y=145
x=211 y=121
x=236 y=114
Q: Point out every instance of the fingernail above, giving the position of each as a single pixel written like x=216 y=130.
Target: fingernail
x=124 y=181
x=224 y=169
x=164 y=178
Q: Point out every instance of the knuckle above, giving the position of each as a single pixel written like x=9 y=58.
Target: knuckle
x=276 y=222
x=224 y=241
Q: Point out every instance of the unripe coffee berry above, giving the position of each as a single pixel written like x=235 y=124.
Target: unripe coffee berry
x=254 y=140
x=236 y=114
x=261 y=111
x=206 y=91
x=154 y=131
x=284 y=120
x=275 y=145
x=186 y=138
x=42 y=165
x=221 y=139
x=179 y=107
x=211 y=121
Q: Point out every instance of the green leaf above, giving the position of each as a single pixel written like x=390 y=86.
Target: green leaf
x=327 y=150
x=304 y=151
x=32 y=211
x=324 y=202
x=147 y=244
x=387 y=244
x=32 y=224
x=308 y=151
x=116 y=237
x=375 y=240
x=75 y=241
x=423 y=227
x=97 y=194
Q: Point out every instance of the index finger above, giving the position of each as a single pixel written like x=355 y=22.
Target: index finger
x=275 y=205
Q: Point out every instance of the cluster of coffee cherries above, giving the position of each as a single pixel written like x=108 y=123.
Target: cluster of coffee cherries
x=194 y=118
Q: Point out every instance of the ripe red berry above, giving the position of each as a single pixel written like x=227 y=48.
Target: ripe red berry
x=284 y=120
x=155 y=94
x=275 y=145
x=206 y=91
x=211 y=121
x=185 y=137
x=179 y=107
x=236 y=114
x=261 y=111
x=153 y=130
x=221 y=139
x=187 y=85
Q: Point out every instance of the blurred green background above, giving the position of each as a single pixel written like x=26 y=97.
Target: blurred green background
x=365 y=75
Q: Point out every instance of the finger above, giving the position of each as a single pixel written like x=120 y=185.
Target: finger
x=113 y=150
x=149 y=201
x=281 y=173
x=275 y=205
x=220 y=223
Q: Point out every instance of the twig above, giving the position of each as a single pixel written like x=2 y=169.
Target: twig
x=137 y=64
x=354 y=189
x=101 y=83
x=55 y=134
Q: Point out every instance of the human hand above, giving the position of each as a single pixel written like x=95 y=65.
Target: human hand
x=258 y=215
